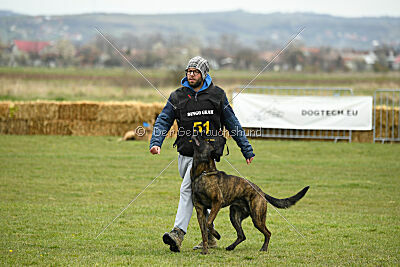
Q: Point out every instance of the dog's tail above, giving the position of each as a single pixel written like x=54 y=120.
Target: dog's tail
x=286 y=202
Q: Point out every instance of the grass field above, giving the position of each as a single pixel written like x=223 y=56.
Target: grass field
x=57 y=193
x=126 y=84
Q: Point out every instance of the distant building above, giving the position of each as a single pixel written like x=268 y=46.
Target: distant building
x=354 y=60
x=371 y=58
x=28 y=52
x=31 y=47
x=396 y=63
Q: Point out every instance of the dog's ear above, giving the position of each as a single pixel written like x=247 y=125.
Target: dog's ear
x=218 y=145
x=196 y=141
x=195 y=138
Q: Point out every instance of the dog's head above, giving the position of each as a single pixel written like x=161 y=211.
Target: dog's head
x=206 y=147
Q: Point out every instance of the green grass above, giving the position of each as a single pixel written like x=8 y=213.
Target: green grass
x=57 y=193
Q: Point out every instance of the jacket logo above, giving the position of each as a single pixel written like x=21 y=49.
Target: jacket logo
x=200 y=112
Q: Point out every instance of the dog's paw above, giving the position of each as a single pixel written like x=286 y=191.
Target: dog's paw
x=231 y=247
x=204 y=251
x=216 y=235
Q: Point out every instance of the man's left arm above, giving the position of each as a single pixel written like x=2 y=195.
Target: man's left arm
x=232 y=124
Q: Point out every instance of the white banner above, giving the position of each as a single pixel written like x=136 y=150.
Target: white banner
x=304 y=112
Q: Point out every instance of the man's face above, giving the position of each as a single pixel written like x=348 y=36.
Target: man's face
x=194 y=77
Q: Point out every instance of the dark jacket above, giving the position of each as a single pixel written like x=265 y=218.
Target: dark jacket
x=166 y=119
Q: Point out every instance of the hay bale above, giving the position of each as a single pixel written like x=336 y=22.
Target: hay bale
x=362 y=136
x=20 y=110
x=130 y=112
x=150 y=112
x=78 y=127
x=15 y=126
x=119 y=112
x=4 y=110
x=38 y=110
x=60 y=127
x=79 y=118
x=3 y=127
x=155 y=110
x=87 y=111
x=387 y=122
x=45 y=110
x=147 y=113
x=116 y=128
x=49 y=127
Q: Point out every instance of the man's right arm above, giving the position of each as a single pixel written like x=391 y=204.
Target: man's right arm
x=162 y=125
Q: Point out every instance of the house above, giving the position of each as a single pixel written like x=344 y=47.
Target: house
x=30 y=47
x=28 y=52
x=396 y=63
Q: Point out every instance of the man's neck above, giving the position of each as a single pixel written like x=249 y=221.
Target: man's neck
x=198 y=87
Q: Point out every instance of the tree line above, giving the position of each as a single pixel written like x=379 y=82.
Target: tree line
x=172 y=52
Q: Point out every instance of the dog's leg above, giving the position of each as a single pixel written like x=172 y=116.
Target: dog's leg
x=237 y=215
x=258 y=215
x=216 y=204
x=215 y=207
x=201 y=217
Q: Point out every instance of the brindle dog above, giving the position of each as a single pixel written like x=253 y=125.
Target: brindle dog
x=213 y=189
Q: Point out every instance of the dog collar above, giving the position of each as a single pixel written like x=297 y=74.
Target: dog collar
x=208 y=173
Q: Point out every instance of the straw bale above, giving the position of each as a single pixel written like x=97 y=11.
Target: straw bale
x=362 y=136
x=21 y=110
x=3 y=127
x=158 y=107
x=115 y=129
x=37 y=110
x=14 y=126
x=154 y=110
x=148 y=113
x=19 y=126
x=4 y=110
x=49 y=127
x=86 y=111
x=119 y=112
x=387 y=122
x=130 y=112
x=151 y=112
x=57 y=127
x=45 y=110
x=78 y=127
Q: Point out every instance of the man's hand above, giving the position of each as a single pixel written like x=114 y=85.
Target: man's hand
x=155 y=150
x=248 y=161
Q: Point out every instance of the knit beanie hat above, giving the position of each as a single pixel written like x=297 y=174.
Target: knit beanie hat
x=199 y=63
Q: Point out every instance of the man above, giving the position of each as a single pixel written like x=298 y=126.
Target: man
x=202 y=106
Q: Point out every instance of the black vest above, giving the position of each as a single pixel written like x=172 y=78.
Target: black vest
x=200 y=112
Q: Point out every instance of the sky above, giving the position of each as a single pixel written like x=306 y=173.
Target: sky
x=345 y=8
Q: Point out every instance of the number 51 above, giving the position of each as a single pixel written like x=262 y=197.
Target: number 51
x=199 y=126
